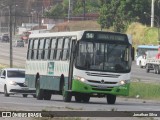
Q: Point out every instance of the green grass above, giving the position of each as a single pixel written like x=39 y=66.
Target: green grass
x=142 y=90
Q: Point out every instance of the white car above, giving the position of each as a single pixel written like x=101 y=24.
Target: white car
x=12 y=81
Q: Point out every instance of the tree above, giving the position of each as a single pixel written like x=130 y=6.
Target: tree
x=119 y=13
x=57 y=11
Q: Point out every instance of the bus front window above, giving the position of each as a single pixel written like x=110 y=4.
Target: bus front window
x=103 y=57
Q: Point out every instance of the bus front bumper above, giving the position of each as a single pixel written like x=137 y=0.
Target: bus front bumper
x=78 y=86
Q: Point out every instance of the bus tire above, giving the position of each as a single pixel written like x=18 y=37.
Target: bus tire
x=78 y=97
x=47 y=95
x=111 y=99
x=67 y=96
x=86 y=98
x=39 y=92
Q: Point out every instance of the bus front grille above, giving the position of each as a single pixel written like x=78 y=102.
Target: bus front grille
x=102 y=75
x=93 y=81
x=101 y=89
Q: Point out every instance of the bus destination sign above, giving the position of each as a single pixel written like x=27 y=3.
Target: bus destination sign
x=105 y=36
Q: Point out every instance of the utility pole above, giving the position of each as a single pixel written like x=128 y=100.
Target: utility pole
x=69 y=10
x=10 y=34
x=152 y=14
x=84 y=9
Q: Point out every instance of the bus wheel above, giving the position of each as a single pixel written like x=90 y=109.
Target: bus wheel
x=39 y=92
x=86 y=98
x=67 y=96
x=47 y=95
x=111 y=99
x=78 y=97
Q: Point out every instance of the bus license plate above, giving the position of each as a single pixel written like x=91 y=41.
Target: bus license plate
x=102 y=87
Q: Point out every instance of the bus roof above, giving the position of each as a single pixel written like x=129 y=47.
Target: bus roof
x=148 y=46
x=78 y=34
x=56 y=34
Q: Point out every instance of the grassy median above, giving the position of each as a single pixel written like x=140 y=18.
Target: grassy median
x=145 y=90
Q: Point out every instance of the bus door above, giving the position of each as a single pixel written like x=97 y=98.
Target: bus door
x=70 y=75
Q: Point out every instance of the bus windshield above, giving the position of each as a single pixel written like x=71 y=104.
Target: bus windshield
x=99 y=56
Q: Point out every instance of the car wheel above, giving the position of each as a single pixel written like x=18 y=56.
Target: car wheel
x=147 y=68
x=34 y=96
x=5 y=91
x=25 y=95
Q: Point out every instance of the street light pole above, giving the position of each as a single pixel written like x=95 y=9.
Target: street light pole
x=10 y=34
x=152 y=14
x=69 y=10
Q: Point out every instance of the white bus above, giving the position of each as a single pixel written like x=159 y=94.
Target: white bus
x=82 y=64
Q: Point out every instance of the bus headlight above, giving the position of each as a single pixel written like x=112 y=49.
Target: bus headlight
x=122 y=82
x=79 y=78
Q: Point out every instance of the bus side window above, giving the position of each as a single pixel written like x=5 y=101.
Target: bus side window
x=41 y=49
x=35 y=47
x=52 y=51
x=46 y=49
x=30 y=46
x=66 y=47
x=59 y=49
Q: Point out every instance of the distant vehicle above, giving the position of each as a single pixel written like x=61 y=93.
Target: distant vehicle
x=5 y=38
x=12 y=81
x=19 y=43
x=154 y=63
x=141 y=53
x=25 y=36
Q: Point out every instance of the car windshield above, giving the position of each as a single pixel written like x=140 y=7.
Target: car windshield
x=104 y=57
x=15 y=73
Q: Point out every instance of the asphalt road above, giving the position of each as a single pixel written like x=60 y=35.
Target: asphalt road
x=17 y=102
x=19 y=54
